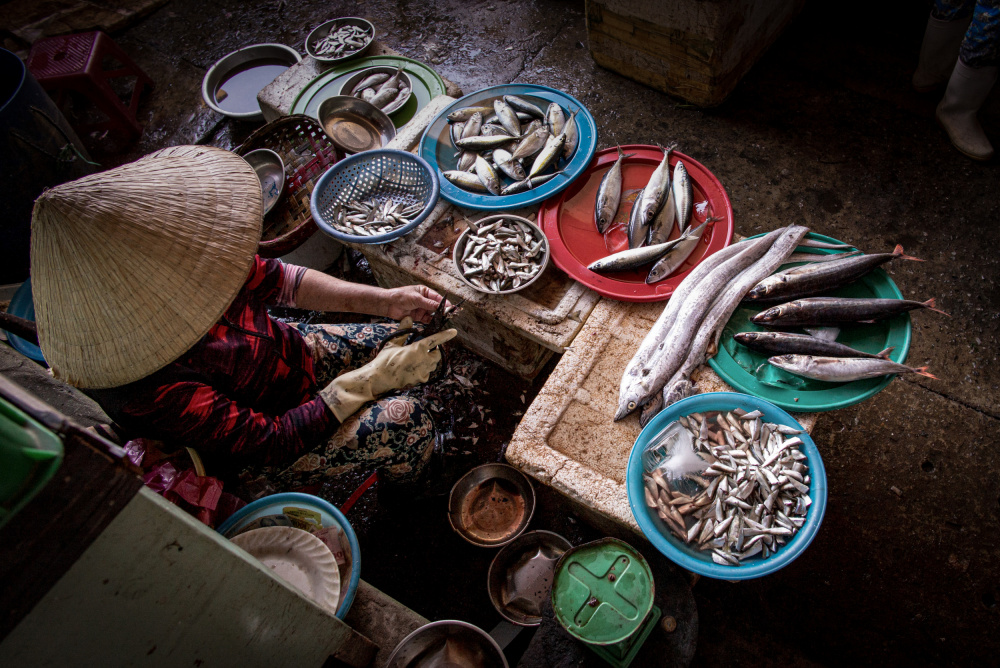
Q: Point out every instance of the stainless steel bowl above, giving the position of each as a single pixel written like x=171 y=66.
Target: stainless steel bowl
x=491 y=505
x=395 y=105
x=464 y=237
x=354 y=125
x=520 y=576
x=447 y=644
x=241 y=60
x=270 y=170
x=324 y=29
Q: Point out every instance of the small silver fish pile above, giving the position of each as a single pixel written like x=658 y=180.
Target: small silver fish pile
x=503 y=255
x=383 y=90
x=342 y=41
x=753 y=495
x=370 y=218
x=508 y=145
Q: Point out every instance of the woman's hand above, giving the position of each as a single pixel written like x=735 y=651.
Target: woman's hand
x=416 y=301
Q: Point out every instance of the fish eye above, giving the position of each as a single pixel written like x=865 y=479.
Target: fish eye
x=631 y=405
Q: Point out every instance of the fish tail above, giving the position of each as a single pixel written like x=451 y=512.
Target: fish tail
x=922 y=371
x=898 y=252
x=929 y=304
x=619 y=147
x=885 y=353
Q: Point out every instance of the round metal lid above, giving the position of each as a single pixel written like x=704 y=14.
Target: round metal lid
x=602 y=591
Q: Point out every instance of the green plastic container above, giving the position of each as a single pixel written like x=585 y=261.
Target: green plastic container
x=602 y=594
x=29 y=457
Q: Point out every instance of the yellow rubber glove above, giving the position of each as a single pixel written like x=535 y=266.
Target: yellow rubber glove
x=395 y=367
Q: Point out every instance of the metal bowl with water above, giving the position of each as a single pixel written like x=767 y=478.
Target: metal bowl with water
x=520 y=576
x=231 y=85
x=354 y=125
x=270 y=171
x=447 y=644
x=491 y=505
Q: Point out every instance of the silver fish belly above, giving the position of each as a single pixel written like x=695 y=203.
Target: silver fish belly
x=683 y=196
x=609 y=194
x=670 y=263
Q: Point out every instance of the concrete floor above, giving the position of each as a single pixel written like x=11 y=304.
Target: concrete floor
x=825 y=131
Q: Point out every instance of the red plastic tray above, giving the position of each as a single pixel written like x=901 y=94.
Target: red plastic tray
x=568 y=222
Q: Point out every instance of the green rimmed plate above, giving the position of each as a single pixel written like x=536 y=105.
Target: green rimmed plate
x=749 y=372
x=427 y=84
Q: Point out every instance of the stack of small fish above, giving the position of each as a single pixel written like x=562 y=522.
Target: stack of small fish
x=503 y=255
x=383 y=90
x=342 y=41
x=817 y=355
x=510 y=137
x=753 y=486
x=658 y=206
x=371 y=217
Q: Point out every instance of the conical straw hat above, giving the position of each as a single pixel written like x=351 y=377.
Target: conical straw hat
x=132 y=266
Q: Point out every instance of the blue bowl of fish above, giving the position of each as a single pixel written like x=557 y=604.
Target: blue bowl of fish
x=525 y=117
x=727 y=485
x=374 y=197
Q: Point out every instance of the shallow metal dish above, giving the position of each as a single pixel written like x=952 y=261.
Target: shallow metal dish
x=348 y=88
x=226 y=66
x=354 y=125
x=447 y=644
x=520 y=576
x=491 y=505
x=271 y=173
x=324 y=29
x=463 y=238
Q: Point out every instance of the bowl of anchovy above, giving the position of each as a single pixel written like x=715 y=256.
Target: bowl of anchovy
x=727 y=485
x=501 y=254
x=374 y=197
x=340 y=39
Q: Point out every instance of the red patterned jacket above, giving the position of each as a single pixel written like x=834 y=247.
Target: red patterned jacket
x=247 y=388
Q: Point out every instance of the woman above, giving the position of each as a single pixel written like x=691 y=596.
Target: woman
x=147 y=281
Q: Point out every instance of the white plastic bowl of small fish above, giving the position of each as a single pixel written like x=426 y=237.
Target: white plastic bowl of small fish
x=463 y=238
x=700 y=560
x=326 y=33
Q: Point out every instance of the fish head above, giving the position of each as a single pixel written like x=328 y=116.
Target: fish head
x=603 y=219
x=758 y=291
x=746 y=337
x=628 y=401
x=786 y=362
x=767 y=315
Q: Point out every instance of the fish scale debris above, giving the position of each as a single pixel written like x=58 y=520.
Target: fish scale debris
x=750 y=499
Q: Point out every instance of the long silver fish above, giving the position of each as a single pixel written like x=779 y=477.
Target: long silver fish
x=784 y=343
x=572 y=133
x=488 y=175
x=532 y=143
x=842 y=369
x=465 y=180
x=672 y=349
x=670 y=263
x=507 y=117
x=836 y=310
x=819 y=257
x=465 y=113
x=549 y=154
x=506 y=163
x=663 y=222
x=481 y=143
x=635 y=231
x=816 y=243
x=522 y=105
x=633 y=258
x=556 y=118
x=812 y=279
x=527 y=184
x=683 y=195
x=653 y=195
x=609 y=194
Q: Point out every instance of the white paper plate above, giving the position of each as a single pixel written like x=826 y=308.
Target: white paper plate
x=299 y=558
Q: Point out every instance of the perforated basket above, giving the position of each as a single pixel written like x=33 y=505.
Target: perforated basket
x=380 y=175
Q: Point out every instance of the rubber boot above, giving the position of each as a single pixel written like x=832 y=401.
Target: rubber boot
x=966 y=92
x=938 y=53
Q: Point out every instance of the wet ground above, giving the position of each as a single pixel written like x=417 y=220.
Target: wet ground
x=824 y=130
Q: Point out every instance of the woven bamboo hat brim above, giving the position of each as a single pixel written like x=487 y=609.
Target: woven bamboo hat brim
x=132 y=266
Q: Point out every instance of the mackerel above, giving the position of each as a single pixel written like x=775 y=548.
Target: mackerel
x=481 y=143
x=683 y=195
x=466 y=113
x=671 y=349
x=634 y=231
x=630 y=259
x=662 y=225
x=654 y=194
x=782 y=343
x=556 y=118
x=609 y=194
x=811 y=279
x=488 y=175
x=548 y=155
x=472 y=126
x=837 y=310
x=527 y=184
x=522 y=105
x=842 y=369
x=572 y=133
x=466 y=181
x=532 y=143
x=507 y=117
x=370 y=81
x=508 y=165
x=670 y=263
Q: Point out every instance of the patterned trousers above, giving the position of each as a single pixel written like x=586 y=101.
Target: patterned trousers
x=394 y=434
x=981 y=45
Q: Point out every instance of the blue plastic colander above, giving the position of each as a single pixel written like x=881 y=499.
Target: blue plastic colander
x=381 y=174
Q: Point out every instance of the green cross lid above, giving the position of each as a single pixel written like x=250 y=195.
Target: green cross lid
x=602 y=591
